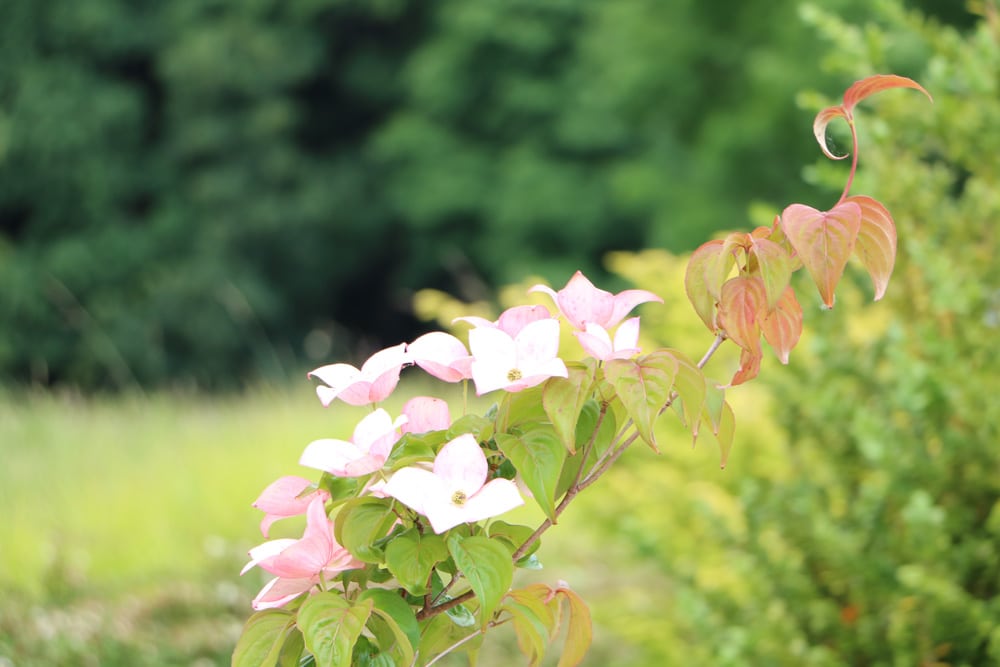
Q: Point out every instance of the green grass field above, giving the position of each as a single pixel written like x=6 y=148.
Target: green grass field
x=127 y=520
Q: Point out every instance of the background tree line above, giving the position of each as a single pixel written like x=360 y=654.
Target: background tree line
x=206 y=191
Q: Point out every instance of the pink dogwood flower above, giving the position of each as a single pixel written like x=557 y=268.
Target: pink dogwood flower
x=456 y=491
x=372 y=383
x=363 y=454
x=425 y=414
x=299 y=564
x=596 y=340
x=441 y=355
x=285 y=497
x=580 y=302
x=512 y=320
x=513 y=363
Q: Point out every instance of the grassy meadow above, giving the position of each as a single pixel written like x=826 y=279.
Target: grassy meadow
x=127 y=520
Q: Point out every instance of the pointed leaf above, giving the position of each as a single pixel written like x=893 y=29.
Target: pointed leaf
x=538 y=455
x=643 y=385
x=263 y=637
x=750 y=359
x=410 y=557
x=563 y=399
x=513 y=536
x=530 y=633
x=440 y=633
x=392 y=613
x=331 y=626
x=823 y=119
x=876 y=244
x=487 y=567
x=783 y=325
x=690 y=385
x=723 y=433
x=743 y=303
x=362 y=523
x=775 y=266
x=859 y=90
x=707 y=269
x=824 y=241
x=580 y=632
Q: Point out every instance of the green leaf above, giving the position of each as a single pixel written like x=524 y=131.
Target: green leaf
x=725 y=432
x=392 y=613
x=513 y=536
x=410 y=557
x=643 y=385
x=697 y=282
x=341 y=489
x=521 y=407
x=331 y=626
x=362 y=523
x=413 y=449
x=439 y=633
x=564 y=398
x=487 y=567
x=477 y=425
x=264 y=635
x=531 y=635
x=691 y=387
x=538 y=455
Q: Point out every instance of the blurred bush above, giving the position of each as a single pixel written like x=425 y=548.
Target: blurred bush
x=866 y=534
x=200 y=191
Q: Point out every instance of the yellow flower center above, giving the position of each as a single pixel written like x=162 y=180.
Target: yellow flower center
x=459 y=498
x=513 y=375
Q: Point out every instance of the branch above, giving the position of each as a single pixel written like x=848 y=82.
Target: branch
x=578 y=485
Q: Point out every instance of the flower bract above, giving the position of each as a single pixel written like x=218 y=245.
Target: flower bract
x=456 y=490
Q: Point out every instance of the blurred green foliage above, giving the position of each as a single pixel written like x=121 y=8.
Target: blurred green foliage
x=203 y=191
x=868 y=534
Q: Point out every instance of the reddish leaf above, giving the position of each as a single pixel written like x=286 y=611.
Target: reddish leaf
x=643 y=385
x=859 y=90
x=580 y=632
x=743 y=303
x=876 y=245
x=775 y=266
x=823 y=241
x=749 y=365
x=823 y=119
x=783 y=325
x=696 y=284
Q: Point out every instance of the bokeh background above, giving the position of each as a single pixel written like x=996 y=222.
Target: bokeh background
x=202 y=199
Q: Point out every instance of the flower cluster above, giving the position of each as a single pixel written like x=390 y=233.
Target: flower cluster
x=451 y=484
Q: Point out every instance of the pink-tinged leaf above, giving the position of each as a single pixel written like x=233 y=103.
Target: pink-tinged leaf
x=783 y=325
x=775 y=266
x=696 y=281
x=724 y=433
x=331 y=626
x=876 y=244
x=563 y=399
x=691 y=387
x=824 y=240
x=580 y=632
x=859 y=90
x=823 y=118
x=643 y=385
x=749 y=365
x=743 y=303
